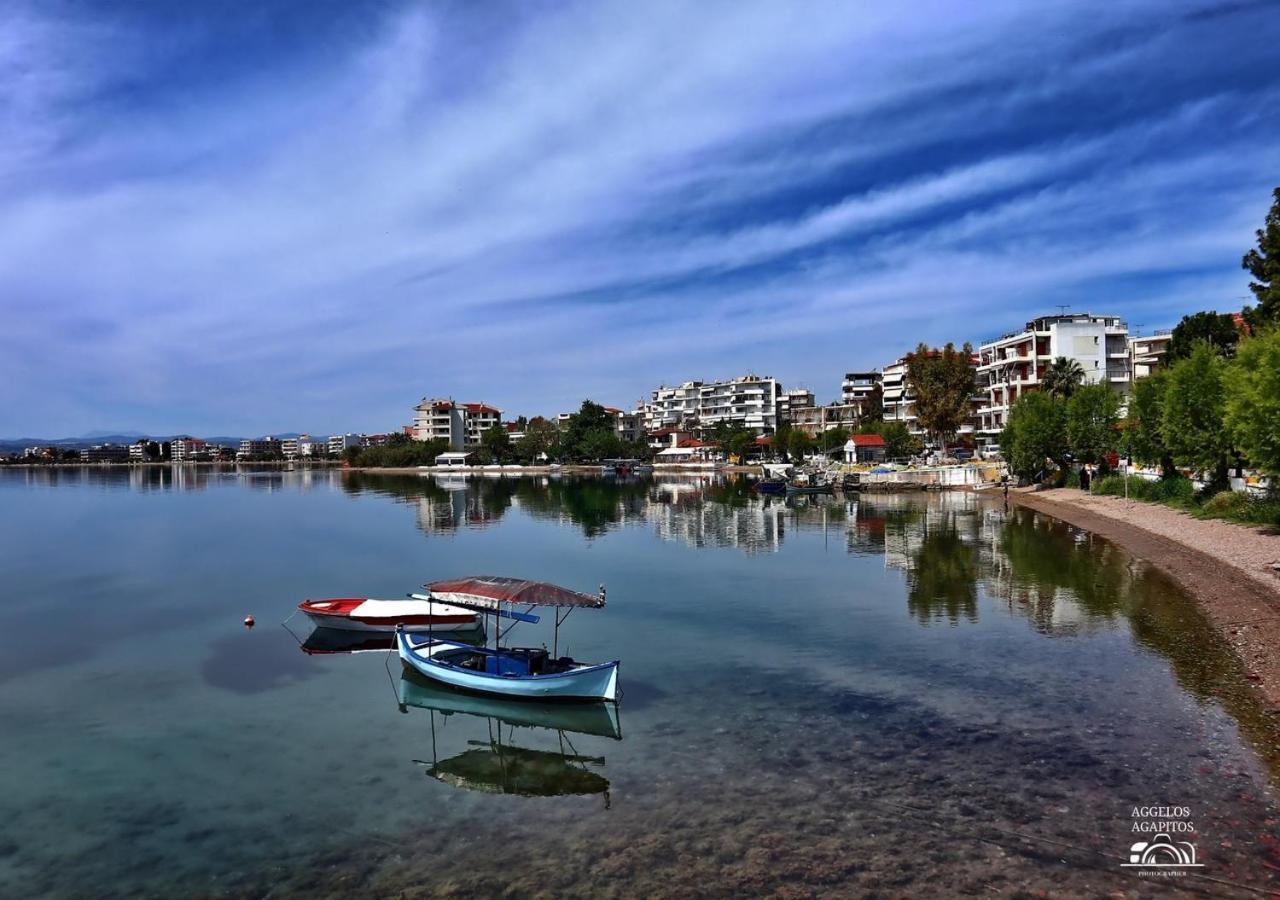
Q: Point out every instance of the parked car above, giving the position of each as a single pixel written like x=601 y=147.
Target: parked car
x=991 y=451
x=963 y=454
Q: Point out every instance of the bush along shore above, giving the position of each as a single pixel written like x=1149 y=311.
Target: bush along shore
x=1179 y=492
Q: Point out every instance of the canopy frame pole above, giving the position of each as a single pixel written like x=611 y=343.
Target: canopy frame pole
x=555 y=642
x=531 y=608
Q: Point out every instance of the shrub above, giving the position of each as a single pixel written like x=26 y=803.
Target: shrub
x=1176 y=491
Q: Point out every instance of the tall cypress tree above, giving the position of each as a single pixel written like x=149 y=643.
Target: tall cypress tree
x=1263 y=264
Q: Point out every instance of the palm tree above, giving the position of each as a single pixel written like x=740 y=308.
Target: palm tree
x=1062 y=377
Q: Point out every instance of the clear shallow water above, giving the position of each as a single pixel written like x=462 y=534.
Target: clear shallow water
x=900 y=695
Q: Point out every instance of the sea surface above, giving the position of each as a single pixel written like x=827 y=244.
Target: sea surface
x=887 y=695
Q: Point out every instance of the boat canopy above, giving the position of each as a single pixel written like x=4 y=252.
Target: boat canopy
x=491 y=591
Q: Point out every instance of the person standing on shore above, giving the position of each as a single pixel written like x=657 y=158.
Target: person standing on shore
x=1084 y=478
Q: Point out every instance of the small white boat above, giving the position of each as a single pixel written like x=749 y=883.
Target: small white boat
x=356 y=614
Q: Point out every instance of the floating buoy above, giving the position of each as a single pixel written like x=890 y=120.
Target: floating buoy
x=248 y=621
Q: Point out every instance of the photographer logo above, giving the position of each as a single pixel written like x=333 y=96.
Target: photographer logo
x=1159 y=852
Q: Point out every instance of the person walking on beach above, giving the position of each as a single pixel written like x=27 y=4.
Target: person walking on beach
x=1084 y=478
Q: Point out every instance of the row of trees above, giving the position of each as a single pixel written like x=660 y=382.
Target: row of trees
x=1216 y=405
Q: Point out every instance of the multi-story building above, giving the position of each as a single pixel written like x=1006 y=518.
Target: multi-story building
x=793 y=400
x=814 y=420
x=188 y=449
x=859 y=388
x=309 y=446
x=752 y=400
x=289 y=447
x=897 y=395
x=374 y=440
x=138 y=450
x=1147 y=353
x=264 y=446
x=1015 y=363
x=105 y=453
x=461 y=424
x=340 y=442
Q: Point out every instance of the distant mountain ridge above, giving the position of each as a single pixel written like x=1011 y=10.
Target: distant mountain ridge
x=9 y=445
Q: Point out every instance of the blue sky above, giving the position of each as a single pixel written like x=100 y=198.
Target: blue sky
x=241 y=218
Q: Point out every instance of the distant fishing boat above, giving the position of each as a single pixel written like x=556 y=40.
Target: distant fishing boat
x=523 y=672
x=355 y=614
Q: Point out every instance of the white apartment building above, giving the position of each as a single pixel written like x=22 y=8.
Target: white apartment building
x=898 y=398
x=309 y=446
x=461 y=424
x=1015 y=363
x=186 y=449
x=289 y=447
x=752 y=400
x=1146 y=354
x=340 y=442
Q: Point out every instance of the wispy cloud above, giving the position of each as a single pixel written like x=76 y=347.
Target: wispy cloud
x=532 y=207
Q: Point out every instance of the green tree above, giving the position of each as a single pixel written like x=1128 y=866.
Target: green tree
x=1062 y=377
x=497 y=442
x=782 y=438
x=1218 y=330
x=1263 y=264
x=1194 y=405
x=1092 y=414
x=833 y=439
x=943 y=384
x=873 y=410
x=899 y=442
x=540 y=437
x=732 y=437
x=799 y=444
x=584 y=437
x=1253 y=400
x=1035 y=434
x=1145 y=423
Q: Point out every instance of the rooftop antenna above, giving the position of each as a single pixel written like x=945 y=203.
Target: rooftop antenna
x=1062 y=308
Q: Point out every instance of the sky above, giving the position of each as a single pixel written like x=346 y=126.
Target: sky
x=230 y=218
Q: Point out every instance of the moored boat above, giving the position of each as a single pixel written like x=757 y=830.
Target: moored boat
x=518 y=672
x=355 y=614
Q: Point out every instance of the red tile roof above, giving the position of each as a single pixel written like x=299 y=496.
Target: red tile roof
x=867 y=440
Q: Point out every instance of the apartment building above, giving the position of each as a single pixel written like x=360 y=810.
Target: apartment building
x=461 y=424
x=289 y=448
x=340 y=442
x=265 y=446
x=1147 y=353
x=753 y=400
x=898 y=397
x=1015 y=363
x=105 y=453
x=859 y=388
x=814 y=420
x=188 y=449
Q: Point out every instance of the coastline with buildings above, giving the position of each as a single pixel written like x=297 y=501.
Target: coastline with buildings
x=674 y=424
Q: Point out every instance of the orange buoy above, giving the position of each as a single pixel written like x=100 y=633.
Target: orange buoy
x=248 y=621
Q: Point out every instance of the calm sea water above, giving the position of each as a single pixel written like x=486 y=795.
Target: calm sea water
x=925 y=695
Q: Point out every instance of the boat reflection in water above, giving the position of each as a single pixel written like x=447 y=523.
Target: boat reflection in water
x=497 y=765
x=329 y=641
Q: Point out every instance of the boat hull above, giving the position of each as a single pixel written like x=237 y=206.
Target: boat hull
x=383 y=616
x=598 y=682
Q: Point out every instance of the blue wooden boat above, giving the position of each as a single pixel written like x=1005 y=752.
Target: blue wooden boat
x=530 y=673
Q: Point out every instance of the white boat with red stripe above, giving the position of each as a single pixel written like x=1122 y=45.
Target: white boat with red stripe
x=360 y=614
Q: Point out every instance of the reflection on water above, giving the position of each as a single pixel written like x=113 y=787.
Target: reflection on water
x=499 y=764
x=827 y=695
